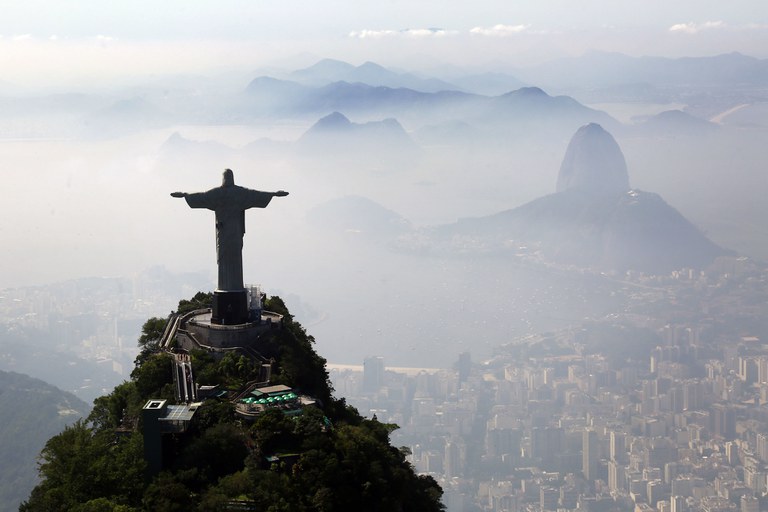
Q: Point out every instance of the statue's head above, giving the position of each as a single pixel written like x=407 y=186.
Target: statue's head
x=228 y=180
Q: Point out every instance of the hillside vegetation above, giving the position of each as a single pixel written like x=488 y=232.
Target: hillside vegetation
x=31 y=411
x=326 y=458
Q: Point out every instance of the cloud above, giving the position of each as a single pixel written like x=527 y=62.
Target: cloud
x=408 y=32
x=693 y=28
x=371 y=34
x=499 y=30
x=427 y=32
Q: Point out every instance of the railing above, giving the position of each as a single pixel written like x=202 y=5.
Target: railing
x=248 y=387
x=196 y=312
x=186 y=390
x=170 y=330
x=183 y=376
x=192 y=338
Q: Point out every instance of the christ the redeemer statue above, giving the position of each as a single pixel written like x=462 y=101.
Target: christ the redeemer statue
x=229 y=201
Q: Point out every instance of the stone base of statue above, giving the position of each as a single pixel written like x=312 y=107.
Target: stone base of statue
x=197 y=331
x=230 y=307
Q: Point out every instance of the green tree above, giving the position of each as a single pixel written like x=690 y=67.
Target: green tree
x=103 y=505
x=273 y=432
x=227 y=367
x=235 y=369
x=110 y=411
x=152 y=331
x=168 y=494
x=80 y=465
x=211 y=413
x=206 y=368
x=299 y=365
x=218 y=452
x=201 y=300
x=154 y=378
x=230 y=488
x=149 y=341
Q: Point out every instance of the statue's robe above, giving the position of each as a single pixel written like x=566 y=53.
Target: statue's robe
x=229 y=203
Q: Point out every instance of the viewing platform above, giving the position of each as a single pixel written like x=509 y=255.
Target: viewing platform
x=195 y=330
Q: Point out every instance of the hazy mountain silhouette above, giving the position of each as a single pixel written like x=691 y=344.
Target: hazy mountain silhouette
x=489 y=84
x=177 y=143
x=674 y=123
x=357 y=216
x=454 y=132
x=336 y=127
x=125 y=116
x=329 y=71
x=631 y=231
x=362 y=98
x=336 y=137
x=527 y=107
x=596 y=69
x=267 y=96
x=531 y=106
x=594 y=219
x=32 y=412
x=322 y=72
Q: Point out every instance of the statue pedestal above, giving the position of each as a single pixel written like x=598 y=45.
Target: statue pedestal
x=230 y=307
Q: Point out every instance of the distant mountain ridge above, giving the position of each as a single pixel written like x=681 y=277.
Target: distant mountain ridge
x=291 y=98
x=331 y=85
x=527 y=107
x=337 y=139
x=592 y=69
x=328 y=71
x=603 y=69
x=336 y=124
x=489 y=83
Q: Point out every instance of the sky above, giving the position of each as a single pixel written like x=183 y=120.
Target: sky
x=73 y=45
x=53 y=41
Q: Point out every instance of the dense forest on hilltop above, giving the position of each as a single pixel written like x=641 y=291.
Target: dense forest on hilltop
x=326 y=458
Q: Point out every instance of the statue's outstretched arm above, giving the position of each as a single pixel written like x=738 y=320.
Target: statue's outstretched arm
x=178 y=194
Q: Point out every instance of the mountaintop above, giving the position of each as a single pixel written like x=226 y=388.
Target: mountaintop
x=593 y=163
x=314 y=453
x=327 y=71
x=335 y=131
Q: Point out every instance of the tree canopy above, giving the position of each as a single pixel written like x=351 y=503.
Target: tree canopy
x=152 y=331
